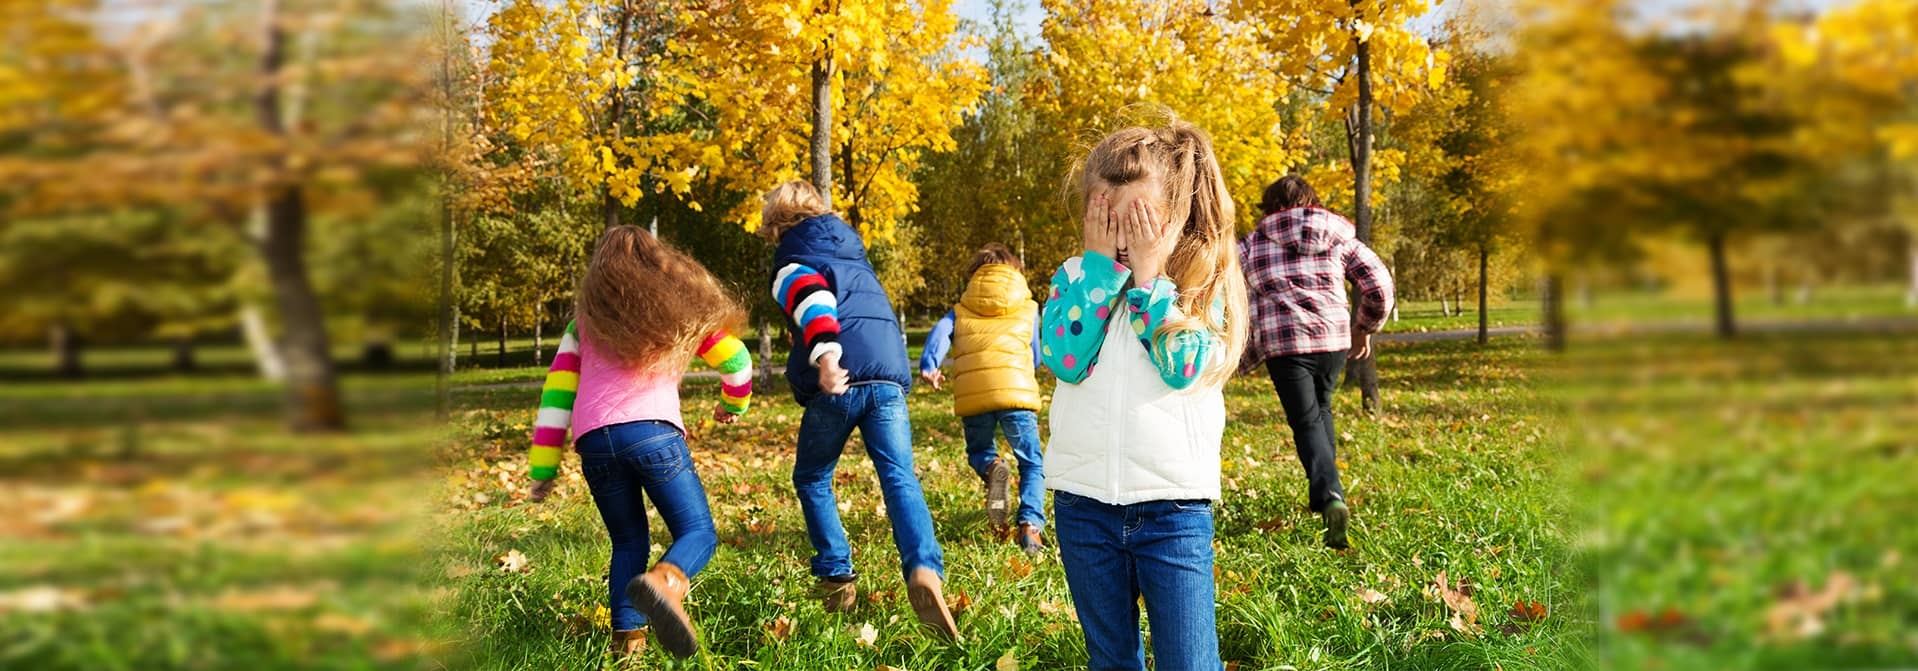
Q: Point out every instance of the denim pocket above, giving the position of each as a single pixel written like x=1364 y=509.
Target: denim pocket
x=659 y=459
x=598 y=469
x=1065 y=499
x=1192 y=506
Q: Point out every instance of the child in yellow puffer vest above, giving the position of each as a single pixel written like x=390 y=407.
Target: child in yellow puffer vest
x=992 y=339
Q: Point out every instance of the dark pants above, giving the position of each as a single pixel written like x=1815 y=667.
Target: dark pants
x=1305 y=383
x=623 y=461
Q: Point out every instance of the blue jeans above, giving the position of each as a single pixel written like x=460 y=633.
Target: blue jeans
x=621 y=461
x=878 y=410
x=1161 y=550
x=1021 y=428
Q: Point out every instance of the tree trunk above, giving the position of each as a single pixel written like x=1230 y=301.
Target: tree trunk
x=852 y=199
x=313 y=395
x=1911 y=292
x=609 y=207
x=765 y=352
x=259 y=341
x=821 y=148
x=1726 y=328
x=539 y=323
x=1774 y=284
x=66 y=350
x=183 y=354
x=502 y=342
x=1484 y=323
x=448 y=318
x=1554 y=304
x=1358 y=132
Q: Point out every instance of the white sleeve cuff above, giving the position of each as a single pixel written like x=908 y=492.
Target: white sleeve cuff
x=821 y=350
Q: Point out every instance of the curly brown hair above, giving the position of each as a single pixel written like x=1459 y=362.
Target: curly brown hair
x=647 y=305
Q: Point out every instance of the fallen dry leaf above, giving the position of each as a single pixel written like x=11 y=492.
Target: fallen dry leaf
x=1458 y=599
x=1370 y=595
x=959 y=602
x=41 y=599
x=340 y=623
x=1638 y=621
x=1524 y=611
x=281 y=597
x=866 y=635
x=1007 y=662
x=1799 y=612
x=1018 y=568
x=513 y=561
x=780 y=628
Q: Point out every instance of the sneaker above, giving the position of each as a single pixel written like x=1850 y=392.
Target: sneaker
x=998 y=481
x=660 y=593
x=925 y=589
x=1029 y=539
x=1337 y=516
x=838 y=593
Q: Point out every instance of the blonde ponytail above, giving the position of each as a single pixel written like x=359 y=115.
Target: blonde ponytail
x=1205 y=262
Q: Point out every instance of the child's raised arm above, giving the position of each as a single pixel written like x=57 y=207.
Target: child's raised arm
x=729 y=356
x=1072 y=327
x=1182 y=355
x=807 y=299
x=555 y=408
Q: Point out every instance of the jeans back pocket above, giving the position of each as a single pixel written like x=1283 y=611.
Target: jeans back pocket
x=658 y=459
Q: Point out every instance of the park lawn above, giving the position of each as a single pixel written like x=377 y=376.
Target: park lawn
x=211 y=542
x=1459 y=476
x=1749 y=505
x=1711 y=489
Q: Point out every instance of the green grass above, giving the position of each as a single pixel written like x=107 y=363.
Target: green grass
x=1661 y=499
x=1826 y=304
x=1427 y=316
x=1727 y=482
x=213 y=545
x=1435 y=489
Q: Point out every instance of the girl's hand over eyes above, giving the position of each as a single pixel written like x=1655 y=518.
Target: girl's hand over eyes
x=1151 y=238
x=1101 y=229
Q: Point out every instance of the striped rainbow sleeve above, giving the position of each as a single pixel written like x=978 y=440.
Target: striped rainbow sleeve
x=807 y=299
x=555 y=408
x=728 y=355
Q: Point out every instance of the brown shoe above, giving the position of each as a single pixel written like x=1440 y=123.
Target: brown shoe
x=629 y=643
x=924 y=589
x=1029 y=539
x=659 y=594
x=998 y=481
x=837 y=596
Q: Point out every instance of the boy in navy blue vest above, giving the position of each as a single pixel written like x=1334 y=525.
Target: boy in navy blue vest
x=848 y=369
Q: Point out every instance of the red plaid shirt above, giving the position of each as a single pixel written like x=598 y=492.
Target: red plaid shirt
x=1296 y=264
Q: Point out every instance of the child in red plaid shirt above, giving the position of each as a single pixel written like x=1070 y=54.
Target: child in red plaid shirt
x=1296 y=264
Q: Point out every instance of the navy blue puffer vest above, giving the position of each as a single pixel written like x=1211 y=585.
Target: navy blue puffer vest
x=868 y=329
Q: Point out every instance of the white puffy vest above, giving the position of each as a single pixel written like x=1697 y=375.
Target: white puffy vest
x=1122 y=436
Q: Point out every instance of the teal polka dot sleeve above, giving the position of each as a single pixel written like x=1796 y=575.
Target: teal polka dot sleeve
x=1181 y=355
x=1085 y=294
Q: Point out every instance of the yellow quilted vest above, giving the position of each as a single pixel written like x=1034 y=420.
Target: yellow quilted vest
x=992 y=344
